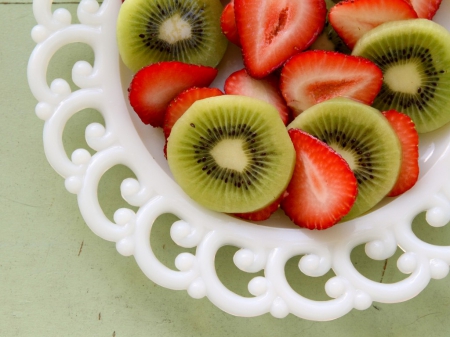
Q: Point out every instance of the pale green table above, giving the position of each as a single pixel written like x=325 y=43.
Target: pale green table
x=58 y=279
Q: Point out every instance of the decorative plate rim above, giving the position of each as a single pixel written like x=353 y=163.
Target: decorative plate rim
x=266 y=246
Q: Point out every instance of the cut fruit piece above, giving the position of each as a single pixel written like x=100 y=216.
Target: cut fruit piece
x=272 y=32
x=231 y=153
x=329 y=40
x=352 y=18
x=425 y=8
x=228 y=24
x=414 y=56
x=323 y=188
x=312 y=77
x=364 y=138
x=266 y=89
x=153 y=87
x=262 y=214
x=170 y=30
x=178 y=106
x=409 y=140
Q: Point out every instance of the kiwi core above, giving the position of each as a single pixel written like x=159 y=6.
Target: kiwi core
x=229 y=154
x=175 y=29
x=403 y=78
x=349 y=156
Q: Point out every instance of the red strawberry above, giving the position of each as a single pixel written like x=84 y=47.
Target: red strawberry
x=273 y=30
x=352 y=18
x=153 y=87
x=425 y=8
x=323 y=188
x=315 y=76
x=262 y=214
x=266 y=89
x=228 y=24
x=409 y=140
x=182 y=102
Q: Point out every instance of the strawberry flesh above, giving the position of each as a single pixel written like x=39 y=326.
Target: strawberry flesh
x=153 y=87
x=409 y=141
x=272 y=31
x=266 y=89
x=314 y=76
x=425 y=8
x=228 y=24
x=323 y=188
x=352 y=18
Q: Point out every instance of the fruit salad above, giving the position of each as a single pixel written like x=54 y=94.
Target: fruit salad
x=323 y=121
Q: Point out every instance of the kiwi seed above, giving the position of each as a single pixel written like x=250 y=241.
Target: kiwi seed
x=231 y=153
x=414 y=56
x=149 y=31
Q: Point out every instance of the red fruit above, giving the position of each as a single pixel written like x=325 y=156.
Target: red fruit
x=409 y=140
x=228 y=24
x=425 y=8
x=153 y=87
x=272 y=31
x=182 y=102
x=352 y=18
x=323 y=188
x=315 y=76
x=262 y=214
x=266 y=89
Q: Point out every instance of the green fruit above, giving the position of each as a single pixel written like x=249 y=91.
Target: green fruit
x=231 y=154
x=414 y=56
x=150 y=31
x=364 y=138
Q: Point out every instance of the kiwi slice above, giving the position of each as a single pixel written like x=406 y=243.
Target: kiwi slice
x=231 y=153
x=364 y=138
x=414 y=56
x=149 y=31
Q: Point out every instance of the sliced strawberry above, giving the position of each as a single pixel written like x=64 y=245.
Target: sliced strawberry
x=228 y=24
x=262 y=214
x=266 y=89
x=182 y=102
x=409 y=140
x=323 y=187
x=273 y=30
x=315 y=76
x=352 y=18
x=153 y=87
x=425 y=8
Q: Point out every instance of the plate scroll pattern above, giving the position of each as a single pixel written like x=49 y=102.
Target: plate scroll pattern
x=265 y=247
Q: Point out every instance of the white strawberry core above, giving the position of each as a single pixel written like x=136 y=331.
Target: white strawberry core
x=175 y=29
x=230 y=154
x=403 y=78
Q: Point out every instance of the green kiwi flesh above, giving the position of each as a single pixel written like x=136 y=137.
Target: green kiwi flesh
x=150 y=31
x=231 y=153
x=364 y=138
x=414 y=56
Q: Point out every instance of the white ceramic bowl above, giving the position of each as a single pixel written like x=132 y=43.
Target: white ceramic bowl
x=266 y=246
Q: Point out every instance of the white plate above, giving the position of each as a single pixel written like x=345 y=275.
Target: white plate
x=267 y=246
